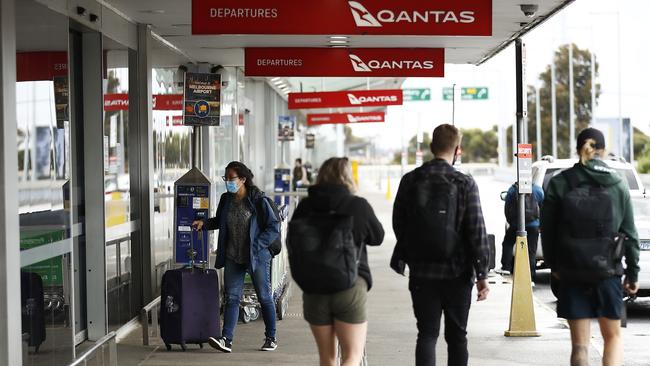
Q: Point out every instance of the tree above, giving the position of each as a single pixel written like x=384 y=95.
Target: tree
x=582 y=101
x=478 y=147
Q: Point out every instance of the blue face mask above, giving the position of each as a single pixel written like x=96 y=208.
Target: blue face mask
x=231 y=186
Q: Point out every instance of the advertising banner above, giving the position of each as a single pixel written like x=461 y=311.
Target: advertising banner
x=286 y=128
x=352 y=98
x=342 y=62
x=310 y=141
x=363 y=17
x=330 y=118
x=202 y=99
x=61 y=96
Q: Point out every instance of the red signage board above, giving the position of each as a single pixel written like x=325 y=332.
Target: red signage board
x=343 y=62
x=161 y=102
x=31 y=66
x=351 y=98
x=363 y=17
x=330 y=118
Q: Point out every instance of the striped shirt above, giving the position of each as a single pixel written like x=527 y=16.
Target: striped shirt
x=473 y=256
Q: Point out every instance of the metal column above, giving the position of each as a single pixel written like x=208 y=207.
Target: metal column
x=10 y=326
x=93 y=113
x=522 y=137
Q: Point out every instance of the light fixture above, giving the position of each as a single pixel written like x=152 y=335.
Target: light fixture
x=336 y=41
x=153 y=11
x=338 y=46
x=275 y=79
x=338 y=37
x=278 y=82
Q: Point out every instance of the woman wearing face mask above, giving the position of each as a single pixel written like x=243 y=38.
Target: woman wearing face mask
x=243 y=246
x=586 y=216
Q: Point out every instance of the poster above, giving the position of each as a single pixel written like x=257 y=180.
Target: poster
x=61 y=100
x=310 y=141
x=286 y=128
x=202 y=99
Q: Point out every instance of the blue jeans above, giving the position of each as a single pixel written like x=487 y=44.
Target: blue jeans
x=233 y=279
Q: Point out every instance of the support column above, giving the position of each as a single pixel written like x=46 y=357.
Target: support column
x=141 y=161
x=93 y=113
x=10 y=326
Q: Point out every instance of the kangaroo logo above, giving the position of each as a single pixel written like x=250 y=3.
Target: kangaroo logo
x=362 y=16
x=354 y=100
x=351 y=119
x=358 y=64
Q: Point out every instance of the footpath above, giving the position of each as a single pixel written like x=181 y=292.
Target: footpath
x=391 y=329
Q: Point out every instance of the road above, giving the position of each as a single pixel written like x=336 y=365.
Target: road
x=637 y=334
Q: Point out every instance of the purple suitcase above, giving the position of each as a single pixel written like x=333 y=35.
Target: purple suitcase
x=189 y=306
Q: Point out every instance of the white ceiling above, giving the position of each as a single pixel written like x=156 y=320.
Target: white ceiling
x=172 y=18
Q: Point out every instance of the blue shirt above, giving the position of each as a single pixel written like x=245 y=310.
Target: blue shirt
x=538 y=195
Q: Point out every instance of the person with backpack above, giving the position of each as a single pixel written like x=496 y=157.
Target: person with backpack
x=248 y=228
x=327 y=240
x=299 y=176
x=587 y=229
x=440 y=233
x=511 y=210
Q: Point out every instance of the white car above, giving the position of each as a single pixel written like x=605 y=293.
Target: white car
x=642 y=221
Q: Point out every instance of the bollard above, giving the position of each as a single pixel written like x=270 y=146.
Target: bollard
x=522 y=311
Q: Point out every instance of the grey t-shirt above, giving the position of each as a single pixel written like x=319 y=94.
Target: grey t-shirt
x=239 y=220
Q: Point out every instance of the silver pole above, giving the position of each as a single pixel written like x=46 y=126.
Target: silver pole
x=453 y=105
x=538 y=124
x=620 y=103
x=553 y=110
x=572 y=127
x=593 y=87
x=521 y=120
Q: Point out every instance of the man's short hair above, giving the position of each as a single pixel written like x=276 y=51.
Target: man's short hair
x=444 y=140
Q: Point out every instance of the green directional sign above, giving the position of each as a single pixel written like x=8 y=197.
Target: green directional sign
x=474 y=93
x=447 y=93
x=417 y=95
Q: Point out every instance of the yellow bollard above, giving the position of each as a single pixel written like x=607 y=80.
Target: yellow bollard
x=355 y=172
x=522 y=311
x=388 y=195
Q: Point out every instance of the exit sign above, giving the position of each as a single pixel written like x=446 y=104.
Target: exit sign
x=416 y=95
x=474 y=93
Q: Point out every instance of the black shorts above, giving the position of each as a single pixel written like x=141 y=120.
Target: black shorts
x=600 y=300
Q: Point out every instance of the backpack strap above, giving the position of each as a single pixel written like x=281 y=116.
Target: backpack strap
x=261 y=211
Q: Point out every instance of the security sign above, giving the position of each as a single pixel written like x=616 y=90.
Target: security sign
x=525 y=167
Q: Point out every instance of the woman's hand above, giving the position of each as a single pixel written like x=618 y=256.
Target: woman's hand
x=630 y=288
x=197 y=225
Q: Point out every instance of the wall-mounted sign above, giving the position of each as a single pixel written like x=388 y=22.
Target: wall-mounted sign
x=310 y=141
x=329 y=118
x=341 y=62
x=31 y=66
x=373 y=17
x=286 y=128
x=352 y=98
x=417 y=95
x=447 y=93
x=202 y=99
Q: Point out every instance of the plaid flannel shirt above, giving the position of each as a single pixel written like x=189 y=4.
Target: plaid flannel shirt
x=474 y=256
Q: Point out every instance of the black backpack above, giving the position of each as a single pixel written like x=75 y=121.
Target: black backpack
x=433 y=232
x=322 y=254
x=589 y=250
x=531 y=213
x=280 y=213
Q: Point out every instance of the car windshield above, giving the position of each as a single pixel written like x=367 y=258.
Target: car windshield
x=627 y=174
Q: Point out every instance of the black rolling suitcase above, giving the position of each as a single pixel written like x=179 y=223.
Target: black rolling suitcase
x=493 y=251
x=189 y=306
x=32 y=308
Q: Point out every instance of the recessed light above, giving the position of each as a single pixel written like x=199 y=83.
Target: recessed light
x=338 y=37
x=153 y=11
x=334 y=41
x=338 y=46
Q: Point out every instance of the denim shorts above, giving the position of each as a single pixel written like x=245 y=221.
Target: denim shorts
x=348 y=306
x=600 y=300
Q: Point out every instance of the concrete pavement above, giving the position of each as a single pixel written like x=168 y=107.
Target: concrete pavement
x=391 y=330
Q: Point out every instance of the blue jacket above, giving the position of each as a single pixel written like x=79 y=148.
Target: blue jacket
x=261 y=236
x=538 y=196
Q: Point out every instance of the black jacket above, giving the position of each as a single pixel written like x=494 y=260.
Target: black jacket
x=367 y=228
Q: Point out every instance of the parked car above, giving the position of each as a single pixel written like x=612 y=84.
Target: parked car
x=642 y=221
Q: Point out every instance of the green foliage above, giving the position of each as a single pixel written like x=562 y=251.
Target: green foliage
x=643 y=161
x=478 y=147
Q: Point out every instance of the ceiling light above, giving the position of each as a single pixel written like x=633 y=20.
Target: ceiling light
x=278 y=82
x=335 y=41
x=181 y=25
x=338 y=37
x=153 y=11
x=338 y=46
x=275 y=79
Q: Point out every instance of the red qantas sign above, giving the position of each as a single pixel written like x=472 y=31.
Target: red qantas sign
x=161 y=102
x=352 y=98
x=329 y=118
x=376 y=17
x=31 y=66
x=393 y=62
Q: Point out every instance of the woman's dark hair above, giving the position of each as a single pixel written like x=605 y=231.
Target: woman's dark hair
x=242 y=172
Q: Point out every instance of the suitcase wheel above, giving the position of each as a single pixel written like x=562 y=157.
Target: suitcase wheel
x=183 y=347
x=168 y=346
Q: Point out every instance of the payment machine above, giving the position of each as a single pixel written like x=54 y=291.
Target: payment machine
x=282 y=184
x=192 y=197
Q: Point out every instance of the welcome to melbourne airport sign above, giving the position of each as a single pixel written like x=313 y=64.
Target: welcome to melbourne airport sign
x=362 y=17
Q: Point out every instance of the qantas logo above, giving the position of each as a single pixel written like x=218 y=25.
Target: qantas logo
x=360 y=66
x=364 y=18
x=354 y=100
x=353 y=119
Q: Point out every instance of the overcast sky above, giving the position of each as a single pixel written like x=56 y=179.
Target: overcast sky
x=591 y=24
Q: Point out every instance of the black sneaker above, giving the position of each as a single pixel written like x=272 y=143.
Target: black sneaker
x=269 y=344
x=221 y=343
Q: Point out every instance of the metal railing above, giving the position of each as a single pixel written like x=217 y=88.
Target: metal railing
x=151 y=308
x=103 y=353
